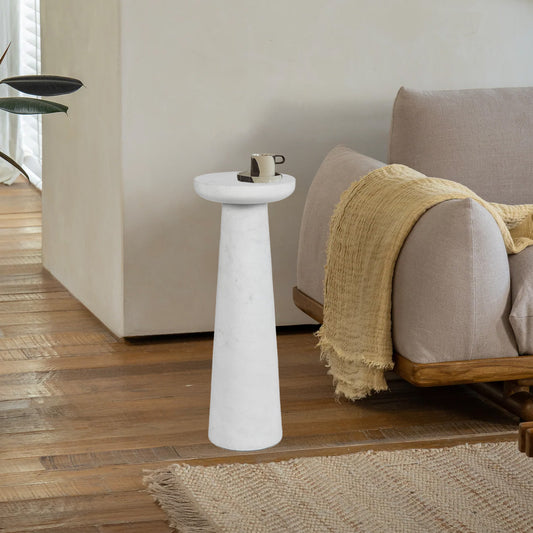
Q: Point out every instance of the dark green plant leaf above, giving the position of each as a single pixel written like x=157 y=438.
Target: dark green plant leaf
x=14 y=163
x=44 y=85
x=30 y=106
x=4 y=54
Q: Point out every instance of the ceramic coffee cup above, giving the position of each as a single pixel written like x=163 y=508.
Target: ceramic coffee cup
x=264 y=165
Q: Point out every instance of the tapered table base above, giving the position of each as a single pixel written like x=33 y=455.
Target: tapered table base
x=245 y=411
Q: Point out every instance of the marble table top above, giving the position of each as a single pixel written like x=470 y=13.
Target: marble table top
x=224 y=187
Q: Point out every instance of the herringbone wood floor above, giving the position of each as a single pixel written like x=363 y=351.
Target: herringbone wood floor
x=82 y=413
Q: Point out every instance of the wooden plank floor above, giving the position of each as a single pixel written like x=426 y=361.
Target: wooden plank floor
x=82 y=413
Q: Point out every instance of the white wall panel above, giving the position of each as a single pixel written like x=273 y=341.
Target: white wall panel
x=205 y=83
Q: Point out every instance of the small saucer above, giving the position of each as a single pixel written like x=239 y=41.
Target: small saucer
x=245 y=176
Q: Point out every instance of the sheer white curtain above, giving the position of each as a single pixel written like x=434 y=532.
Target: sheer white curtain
x=20 y=136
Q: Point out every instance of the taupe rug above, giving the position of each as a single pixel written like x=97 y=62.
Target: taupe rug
x=468 y=488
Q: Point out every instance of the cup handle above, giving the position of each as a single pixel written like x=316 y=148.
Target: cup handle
x=279 y=162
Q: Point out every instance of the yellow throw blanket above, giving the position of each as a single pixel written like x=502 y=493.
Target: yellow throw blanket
x=367 y=231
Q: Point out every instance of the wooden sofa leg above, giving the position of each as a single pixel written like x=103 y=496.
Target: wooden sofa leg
x=515 y=398
x=512 y=387
x=525 y=438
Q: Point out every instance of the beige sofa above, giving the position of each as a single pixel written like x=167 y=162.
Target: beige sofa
x=457 y=318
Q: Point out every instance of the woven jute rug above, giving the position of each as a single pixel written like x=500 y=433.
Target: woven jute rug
x=467 y=488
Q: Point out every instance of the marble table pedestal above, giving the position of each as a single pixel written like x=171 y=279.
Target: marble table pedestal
x=245 y=412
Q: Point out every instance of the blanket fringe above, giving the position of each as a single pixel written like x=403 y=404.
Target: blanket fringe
x=327 y=348
x=354 y=377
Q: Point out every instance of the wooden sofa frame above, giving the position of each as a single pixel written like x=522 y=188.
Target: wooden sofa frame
x=516 y=373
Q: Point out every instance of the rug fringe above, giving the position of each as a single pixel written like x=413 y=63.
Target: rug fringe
x=177 y=502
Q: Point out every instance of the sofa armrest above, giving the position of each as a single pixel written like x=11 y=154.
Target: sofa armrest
x=340 y=168
x=451 y=290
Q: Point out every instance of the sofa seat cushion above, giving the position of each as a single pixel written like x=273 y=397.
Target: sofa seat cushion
x=451 y=291
x=521 y=317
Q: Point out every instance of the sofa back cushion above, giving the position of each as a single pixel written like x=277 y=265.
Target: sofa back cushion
x=482 y=138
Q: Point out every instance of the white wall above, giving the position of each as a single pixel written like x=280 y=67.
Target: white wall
x=206 y=83
x=82 y=185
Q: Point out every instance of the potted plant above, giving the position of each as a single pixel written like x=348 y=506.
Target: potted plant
x=36 y=85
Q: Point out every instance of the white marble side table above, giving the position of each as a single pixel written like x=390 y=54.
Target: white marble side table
x=245 y=411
